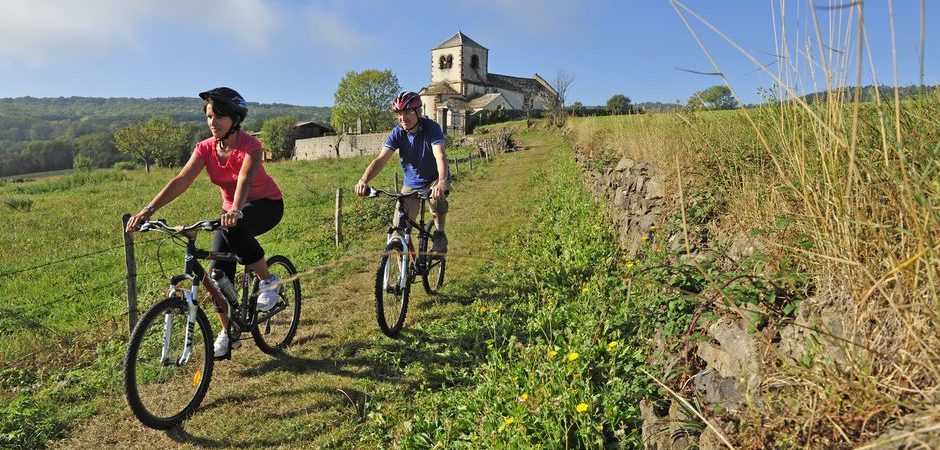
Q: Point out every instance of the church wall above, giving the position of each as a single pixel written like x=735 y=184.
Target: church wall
x=472 y=74
x=451 y=74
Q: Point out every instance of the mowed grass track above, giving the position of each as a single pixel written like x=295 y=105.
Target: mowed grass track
x=314 y=396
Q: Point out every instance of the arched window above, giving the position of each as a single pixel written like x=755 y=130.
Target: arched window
x=475 y=62
x=450 y=61
x=442 y=63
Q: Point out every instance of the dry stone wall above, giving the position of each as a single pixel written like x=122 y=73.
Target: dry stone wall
x=341 y=146
x=735 y=360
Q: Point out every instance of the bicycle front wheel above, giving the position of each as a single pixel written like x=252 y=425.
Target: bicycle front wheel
x=276 y=328
x=434 y=278
x=392 y=288
x=163 y=386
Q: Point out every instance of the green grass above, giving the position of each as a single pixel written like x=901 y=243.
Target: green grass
x=64 y=334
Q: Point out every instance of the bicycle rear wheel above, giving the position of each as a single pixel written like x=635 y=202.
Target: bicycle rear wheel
x=434 y=278
x=392 y=288
x=276 y=328
x=162 y=390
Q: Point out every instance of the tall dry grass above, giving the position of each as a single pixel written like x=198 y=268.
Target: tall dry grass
x=859 y=184
x=862 y=181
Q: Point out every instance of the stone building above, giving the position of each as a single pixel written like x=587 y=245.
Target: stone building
x=462 y=90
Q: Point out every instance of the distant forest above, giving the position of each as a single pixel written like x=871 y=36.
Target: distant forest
x=44 y=134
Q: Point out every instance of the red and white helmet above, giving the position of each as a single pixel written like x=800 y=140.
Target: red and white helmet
x=406 y=100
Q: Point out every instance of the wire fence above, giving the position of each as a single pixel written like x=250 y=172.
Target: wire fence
x=27 y=313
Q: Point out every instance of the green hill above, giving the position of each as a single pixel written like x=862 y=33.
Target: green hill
x=41 y=134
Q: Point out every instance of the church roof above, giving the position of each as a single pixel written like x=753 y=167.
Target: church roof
x=483 y=101
x=517 y=84
x=459 y=40
x=439 y=88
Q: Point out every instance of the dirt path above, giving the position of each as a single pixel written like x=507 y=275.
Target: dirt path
x=313 y=397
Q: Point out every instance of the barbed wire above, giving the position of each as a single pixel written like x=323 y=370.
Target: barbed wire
x=21 y=314
x=69 y=258
x=71 y=337
x=69 y=296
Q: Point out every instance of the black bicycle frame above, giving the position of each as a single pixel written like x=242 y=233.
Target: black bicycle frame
x=199 y=276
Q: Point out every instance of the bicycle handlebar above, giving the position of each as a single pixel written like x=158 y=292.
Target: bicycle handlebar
x=423 y=195
x=160 y=225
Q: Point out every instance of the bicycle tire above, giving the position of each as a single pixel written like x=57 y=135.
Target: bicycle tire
x=156 y=391
x=434 y=278
x=392 y=302
x=285 y=317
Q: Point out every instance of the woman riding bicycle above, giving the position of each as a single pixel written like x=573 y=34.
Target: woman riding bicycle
x=251 y=201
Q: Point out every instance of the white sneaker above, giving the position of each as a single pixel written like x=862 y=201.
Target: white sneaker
x=267 y=292
x=221 y=348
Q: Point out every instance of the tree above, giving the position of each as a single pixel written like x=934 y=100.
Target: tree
x=619 y=104
x=278 y=136
x=99 y=148
x=365 y=96
x=158 y=140
x=563 y=82
x=577 y=108
x=81 y=163
x=715 y=97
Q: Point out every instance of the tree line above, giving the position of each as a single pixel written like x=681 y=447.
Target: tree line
x=45 y=134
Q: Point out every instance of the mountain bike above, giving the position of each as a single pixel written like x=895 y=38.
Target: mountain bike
x=400 y=265
x=169 y=359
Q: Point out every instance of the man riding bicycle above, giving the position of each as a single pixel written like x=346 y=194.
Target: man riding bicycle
x=420 y=144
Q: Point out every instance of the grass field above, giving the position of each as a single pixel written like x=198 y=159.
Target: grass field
x=542 y=336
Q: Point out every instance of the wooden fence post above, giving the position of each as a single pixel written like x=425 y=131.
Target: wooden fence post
x=130 y=261
x=339 y=216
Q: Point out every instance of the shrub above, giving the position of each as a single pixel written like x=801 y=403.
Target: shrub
x=126 y=165
x=18 y=203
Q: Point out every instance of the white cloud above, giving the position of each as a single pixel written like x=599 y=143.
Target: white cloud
x=44 y=31
x=40 y=31
x=542 y=17
x=333 y=33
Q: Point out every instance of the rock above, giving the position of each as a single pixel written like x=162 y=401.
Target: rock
x=625 y=164
x=655 y=429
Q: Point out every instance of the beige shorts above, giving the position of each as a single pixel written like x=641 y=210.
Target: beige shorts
x=413 y=205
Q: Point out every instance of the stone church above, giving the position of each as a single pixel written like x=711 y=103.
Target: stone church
x=462 y=91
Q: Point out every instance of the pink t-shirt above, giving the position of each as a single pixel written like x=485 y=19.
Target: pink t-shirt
x=226 y=176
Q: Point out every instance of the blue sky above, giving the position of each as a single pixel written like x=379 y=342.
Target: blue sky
x=292 y=51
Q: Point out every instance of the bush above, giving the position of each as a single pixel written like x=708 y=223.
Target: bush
x=126 y=165
x=18 y=203
x=26 y=423
x=81 y=163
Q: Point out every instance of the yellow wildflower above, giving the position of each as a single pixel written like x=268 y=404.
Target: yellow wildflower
x=482 y=309
x=612 y=345
x=509 y=420
x=585 y=289
x=524 y=396
x=629 y=264
x=552 y=353
x=652 y=227
x=582 y=407
x=572 y=356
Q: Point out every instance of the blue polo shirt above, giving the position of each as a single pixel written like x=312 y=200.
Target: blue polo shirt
x=415 y=153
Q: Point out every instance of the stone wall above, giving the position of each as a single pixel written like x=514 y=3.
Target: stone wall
x=735 y=360
x=340 y=146
x=636 y=195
